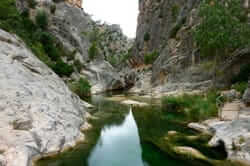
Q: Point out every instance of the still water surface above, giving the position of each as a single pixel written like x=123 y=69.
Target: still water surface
x=119 y=141
x=118 y=145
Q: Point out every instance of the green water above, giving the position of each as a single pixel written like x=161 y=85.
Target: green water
x=119 y=139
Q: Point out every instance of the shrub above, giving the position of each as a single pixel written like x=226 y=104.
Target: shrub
x=93 y=51
x=81 y=88
x=146 y=36
x=62 y=69
x=53 y=8
x=150 y=58
x=193 y=107
x=240 y=86
x=42 y=19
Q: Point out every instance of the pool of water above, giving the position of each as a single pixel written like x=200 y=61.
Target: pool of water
x=118 y=139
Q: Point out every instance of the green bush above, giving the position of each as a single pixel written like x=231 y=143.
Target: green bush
x=232 y=33
x=42 y=19
x=81 y=88
x=62 y=69
x=146 y=36
x=193 y=107
x=53 y=8
x=93 y=51
x=240 y=86
x=150 y=58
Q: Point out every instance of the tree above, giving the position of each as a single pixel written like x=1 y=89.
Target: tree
x=223 y=28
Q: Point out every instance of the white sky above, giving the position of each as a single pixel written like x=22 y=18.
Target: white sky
x=122 y=12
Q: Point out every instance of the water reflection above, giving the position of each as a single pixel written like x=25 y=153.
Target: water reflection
x=118 y=146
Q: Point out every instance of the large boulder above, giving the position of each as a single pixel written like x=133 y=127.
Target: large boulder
x=103 y=77
x=39 y=114
x=236 y=137
x=246 y=96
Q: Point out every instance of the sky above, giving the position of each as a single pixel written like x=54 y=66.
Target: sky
x=122 y=12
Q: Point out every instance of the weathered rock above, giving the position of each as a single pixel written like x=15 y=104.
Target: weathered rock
x=231 y=95
x=39 y=114
x=103 y=77
x=246 y=96
x=235 y=134
x=189 y=151
x=134 y=103
x=166 y=27
x=200 y=128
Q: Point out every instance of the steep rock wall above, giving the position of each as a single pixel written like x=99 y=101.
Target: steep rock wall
x=166 y=27
x=39 y=114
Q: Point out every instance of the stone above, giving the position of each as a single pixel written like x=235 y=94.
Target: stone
x=39 y=115
x=103 y=77
x=134 y=103
x=235 y=136
x=231 y=95
x=189 y=151
x=200 y=128
x=246 y=96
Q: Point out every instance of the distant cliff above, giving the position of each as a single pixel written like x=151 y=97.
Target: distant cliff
x=165 y=36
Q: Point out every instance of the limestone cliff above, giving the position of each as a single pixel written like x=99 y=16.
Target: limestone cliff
x=39 y=114
x=75 y=30
x=165 y=27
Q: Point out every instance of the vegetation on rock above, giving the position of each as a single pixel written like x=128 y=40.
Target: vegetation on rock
x=192 y=107
x=223 y=27
x=151 y=57
x=41 y=42
x=81 y=88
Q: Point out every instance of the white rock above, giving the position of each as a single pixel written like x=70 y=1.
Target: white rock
x=134 y=103
x=39 y=114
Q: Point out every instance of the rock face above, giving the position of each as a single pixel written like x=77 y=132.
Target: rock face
x=103 y=77
x=165 y=27
x=236 y=136
x=39 y=115
x=78 y=32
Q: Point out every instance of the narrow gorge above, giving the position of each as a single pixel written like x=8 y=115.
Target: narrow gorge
x=78 y=92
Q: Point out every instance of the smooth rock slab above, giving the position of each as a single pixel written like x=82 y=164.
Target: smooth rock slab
x=39 y=114
x=134 y=103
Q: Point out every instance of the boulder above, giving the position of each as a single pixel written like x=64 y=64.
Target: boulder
x=39 y=114
x=134 y=103
x=200 y=128
x=231 y=95
x=103 y=77
x=236 y=137
x=246 y=96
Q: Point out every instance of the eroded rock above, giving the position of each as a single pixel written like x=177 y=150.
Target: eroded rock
x=39 y=114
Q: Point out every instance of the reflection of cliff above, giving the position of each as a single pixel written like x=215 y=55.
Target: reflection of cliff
x=108 y=114
x=152 y=123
